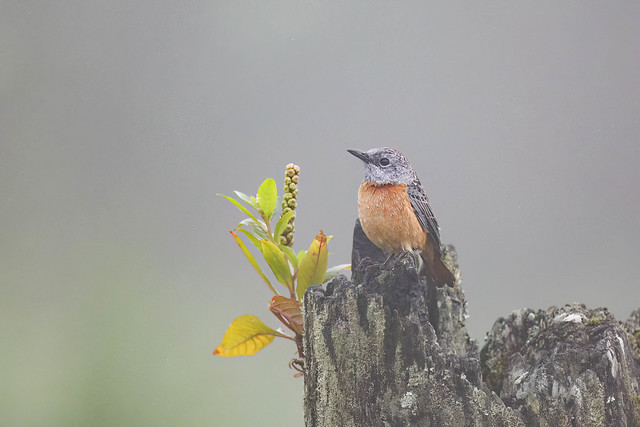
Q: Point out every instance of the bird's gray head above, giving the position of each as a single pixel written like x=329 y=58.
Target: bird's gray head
x=385 y=166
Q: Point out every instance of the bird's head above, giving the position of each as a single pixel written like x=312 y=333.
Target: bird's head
x=385 y=166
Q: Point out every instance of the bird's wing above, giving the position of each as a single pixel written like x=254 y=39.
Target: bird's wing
x=420 y=205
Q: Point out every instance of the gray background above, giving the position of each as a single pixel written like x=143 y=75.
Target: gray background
x=120 y=120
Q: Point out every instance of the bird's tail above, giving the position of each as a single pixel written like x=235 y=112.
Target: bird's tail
x=437 y=271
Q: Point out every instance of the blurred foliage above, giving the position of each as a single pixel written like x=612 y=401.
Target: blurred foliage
x=113 y=338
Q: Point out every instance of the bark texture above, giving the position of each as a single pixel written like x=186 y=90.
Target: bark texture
x=386 y=348
x=567 y=366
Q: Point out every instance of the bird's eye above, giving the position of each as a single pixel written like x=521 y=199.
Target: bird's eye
x=384 y=161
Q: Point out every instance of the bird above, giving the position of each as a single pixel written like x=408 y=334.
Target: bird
x=394 y=211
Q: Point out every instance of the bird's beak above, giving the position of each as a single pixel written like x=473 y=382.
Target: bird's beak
x=361 y=155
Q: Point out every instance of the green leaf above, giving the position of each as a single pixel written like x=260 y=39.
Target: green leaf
x=268 y=197
x=313 y=267
x=239 y=206
x=260 y=231
x=282 y=224
x=244 y=197
x=253 y=261
x=278 y=209
x=291 y=256
x=246 y=336
x=300 y=255
x=246 y=222
x=257 y=227
x=251 y=237
x=277 y=262
x=251 y=200
x=333 y=271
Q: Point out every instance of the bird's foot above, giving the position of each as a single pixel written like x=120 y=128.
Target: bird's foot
x=389 y=262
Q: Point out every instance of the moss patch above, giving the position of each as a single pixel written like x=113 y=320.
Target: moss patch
x=595 y=321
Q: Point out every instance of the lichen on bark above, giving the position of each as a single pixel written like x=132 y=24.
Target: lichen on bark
x=387 y=348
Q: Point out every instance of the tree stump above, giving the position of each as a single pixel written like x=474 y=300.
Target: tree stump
x=387 y=348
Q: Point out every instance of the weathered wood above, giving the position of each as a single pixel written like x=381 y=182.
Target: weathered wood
x=567 y=366
x=388 y=349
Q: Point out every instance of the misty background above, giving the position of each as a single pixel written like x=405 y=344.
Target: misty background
x=120 y=121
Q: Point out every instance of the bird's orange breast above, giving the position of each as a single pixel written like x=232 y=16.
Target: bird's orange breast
x=388 y=219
